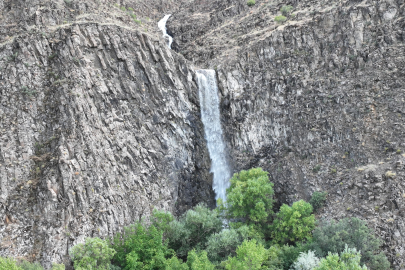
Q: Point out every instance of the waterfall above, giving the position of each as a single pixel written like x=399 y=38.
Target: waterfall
x=162 y=26
x=209 y=103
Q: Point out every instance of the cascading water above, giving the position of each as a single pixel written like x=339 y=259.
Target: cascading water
x=162 y=26
x=209 y=103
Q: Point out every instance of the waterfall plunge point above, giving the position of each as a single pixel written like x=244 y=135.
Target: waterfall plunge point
x=210 y=115
x=162 y=26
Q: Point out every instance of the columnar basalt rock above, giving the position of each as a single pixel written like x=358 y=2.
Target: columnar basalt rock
x=316 y=101
x=99 y=125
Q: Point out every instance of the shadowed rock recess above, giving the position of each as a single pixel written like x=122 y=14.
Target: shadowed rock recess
x=100 y=122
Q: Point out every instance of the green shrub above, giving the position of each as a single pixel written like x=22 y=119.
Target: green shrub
x=56 y=266
x=223 y=244
x=353 y=232
x=140 y=247
x=285 y=10
x=293 y=224
x=275 y=258
x=280 y=19
x=192 y=230
x=176 y=264
x=250 y=255
x=289 y=254
x=251 y=3
x=199 y=261
x=250 y=199
x=93 y=254
x=8 y=264
x=25 y=265
x=349 y=259
x=318 y=200
x=306 y=261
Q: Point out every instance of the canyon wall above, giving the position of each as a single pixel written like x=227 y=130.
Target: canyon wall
x=99 y=125
x=318 y=101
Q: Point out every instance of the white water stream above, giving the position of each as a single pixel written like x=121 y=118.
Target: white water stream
x=210 y=114
x=162 y=26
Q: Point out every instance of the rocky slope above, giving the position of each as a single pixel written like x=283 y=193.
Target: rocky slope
x=317 y=101
x=99 y=125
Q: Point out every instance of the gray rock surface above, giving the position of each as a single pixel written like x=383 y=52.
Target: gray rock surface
x=317 y=101
x=99 y=125
x=99 y=121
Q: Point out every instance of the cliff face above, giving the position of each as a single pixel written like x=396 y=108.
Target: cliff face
x=99 y=124
x=100 y=121
x=317 y=101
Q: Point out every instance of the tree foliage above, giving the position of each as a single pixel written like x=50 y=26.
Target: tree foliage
x=349 y=259
x=8 y=264
x=334 y=236
x=306 y=261
x=249 y=255
x=193 y=229
x=250 y=199
x=94 y=254
x=199 y=261
x=318 y=200
x=293 y=224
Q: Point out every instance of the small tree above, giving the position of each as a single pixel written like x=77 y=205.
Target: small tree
x=293 y=224
x=250 y=255
x=318 y=200
x=140 y=247
x=199 y=261
x=223 y=244
x=334 y=236
x=93 y=254
x=192 y=230
x=250 y=198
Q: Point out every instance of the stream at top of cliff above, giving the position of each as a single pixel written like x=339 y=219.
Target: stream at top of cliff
x=162 y=26
x=210 y=116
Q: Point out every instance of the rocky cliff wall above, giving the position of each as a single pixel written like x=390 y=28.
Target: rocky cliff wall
x=99 y=125
x=317 y=101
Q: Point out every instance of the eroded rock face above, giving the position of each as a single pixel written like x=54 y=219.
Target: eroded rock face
x=99 y=125
x=317 y=101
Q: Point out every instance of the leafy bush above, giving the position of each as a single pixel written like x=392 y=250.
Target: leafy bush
x=25 y=265
x=318 y=200
x=176 y=264
x=353 y=232
x=250 y=199
x=199 y=261
x=293 y=224
x=285 y=10
x=280 y=19
x=251 y=3
x=56 y=266
x=250 y=255
x=8 y=264
x=275 y=259
x=193 y=229
x=140 y=247
x=349 y=260
x=93 y=254
x=289 y=254
x=305 y=261
x=223 y=244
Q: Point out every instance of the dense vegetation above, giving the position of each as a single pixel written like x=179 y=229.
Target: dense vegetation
x=243 y=233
